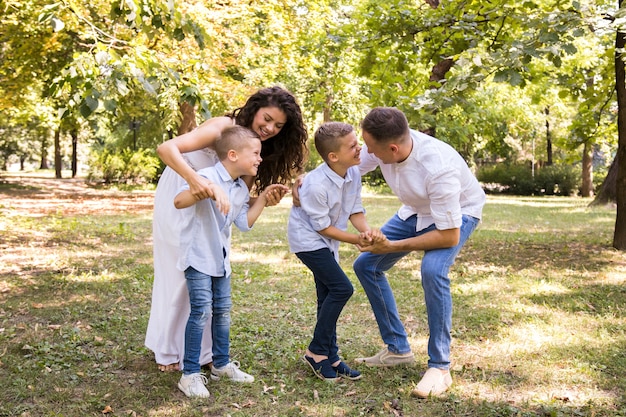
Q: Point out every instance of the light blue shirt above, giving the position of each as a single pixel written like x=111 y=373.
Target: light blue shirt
x=326 y=199
x=205 y=235
x=434 y=182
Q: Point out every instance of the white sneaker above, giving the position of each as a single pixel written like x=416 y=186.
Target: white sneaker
x=231 y=370
x=193 y=385
x=433 y=383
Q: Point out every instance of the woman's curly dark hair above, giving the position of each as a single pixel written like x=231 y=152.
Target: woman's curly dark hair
x=284 y=154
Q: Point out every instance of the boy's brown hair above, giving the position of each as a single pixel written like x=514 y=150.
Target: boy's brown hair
x=235 y=138
x=326 y=137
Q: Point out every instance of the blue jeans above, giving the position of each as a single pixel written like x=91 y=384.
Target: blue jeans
x=370 y=269
x=208 y=296
x=334 y=289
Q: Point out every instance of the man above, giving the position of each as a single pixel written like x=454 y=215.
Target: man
x=442 y=205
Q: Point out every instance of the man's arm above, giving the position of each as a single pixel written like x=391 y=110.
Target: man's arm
x=436 y=239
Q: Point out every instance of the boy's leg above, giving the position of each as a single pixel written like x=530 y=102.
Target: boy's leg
x=199 y=287
x=220 y=327
x=332 y=282
x=436 y=283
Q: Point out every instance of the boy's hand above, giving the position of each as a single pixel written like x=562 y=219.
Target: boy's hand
x=274 y=193
x=370 y=237
x=221 y=199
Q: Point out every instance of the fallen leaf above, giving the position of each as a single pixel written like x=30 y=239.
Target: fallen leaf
x=107 y=410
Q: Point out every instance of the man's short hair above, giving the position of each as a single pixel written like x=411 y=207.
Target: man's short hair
x=235 y=138
x=386 y=124
x=326 y=137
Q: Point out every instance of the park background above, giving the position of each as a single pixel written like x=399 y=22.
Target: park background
x=528 y=92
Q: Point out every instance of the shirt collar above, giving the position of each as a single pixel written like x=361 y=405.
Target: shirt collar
x=225 y=176
x=334 y=177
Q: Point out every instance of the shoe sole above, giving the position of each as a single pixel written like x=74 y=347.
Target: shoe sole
x=191 y=396
x=242 y=381
x=351 y=378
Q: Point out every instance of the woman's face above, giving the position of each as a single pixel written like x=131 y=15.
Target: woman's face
x=268 y=122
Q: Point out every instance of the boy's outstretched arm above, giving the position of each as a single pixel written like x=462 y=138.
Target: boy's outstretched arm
x=259 y=203
x=184 y=199
x=357 y=220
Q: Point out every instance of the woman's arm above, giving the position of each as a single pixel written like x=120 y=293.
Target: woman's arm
x=204 y=136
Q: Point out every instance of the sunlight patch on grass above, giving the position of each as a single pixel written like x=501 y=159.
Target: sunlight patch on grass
x=251 y=256
x=613 y=277
x=543 y=201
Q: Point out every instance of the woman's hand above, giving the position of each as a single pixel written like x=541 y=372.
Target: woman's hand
x=274 y=193
x=201 y=188
x=295 y=190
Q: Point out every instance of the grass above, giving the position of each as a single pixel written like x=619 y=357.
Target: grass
x=539 y=316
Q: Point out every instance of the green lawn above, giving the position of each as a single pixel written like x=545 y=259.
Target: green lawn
x=539 y=316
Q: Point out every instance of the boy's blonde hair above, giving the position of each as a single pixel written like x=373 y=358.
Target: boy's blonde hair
x=233 y=138
x=326 y=137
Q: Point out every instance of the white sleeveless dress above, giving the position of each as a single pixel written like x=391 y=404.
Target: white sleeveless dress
x=169 y=311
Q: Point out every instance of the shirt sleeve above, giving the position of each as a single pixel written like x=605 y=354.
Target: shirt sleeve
x=358 y=203
x=314 y=202
x=241 y=221
x=444 y=191
x=368 y=161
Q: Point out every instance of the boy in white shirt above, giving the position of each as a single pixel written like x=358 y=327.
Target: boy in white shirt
x=205 y=249
x=329 y=197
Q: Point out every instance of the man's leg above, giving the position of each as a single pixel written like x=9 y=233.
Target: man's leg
x=437 y=296
x=370 y=269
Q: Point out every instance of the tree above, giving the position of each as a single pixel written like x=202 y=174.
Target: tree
x=619 y=236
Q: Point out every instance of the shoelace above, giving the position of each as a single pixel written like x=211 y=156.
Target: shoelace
x=203 y=379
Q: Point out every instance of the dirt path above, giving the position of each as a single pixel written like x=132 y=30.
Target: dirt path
x=36 y=196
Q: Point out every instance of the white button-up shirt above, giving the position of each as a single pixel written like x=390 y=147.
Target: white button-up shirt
x=434 y=182
x=205 y=235
x=326 y=199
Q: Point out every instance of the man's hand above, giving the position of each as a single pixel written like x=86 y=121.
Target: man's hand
x=378 y=245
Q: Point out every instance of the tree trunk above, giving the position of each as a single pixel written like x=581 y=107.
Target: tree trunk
x=57 y=153
x=619 y=236
x=44 y=154
x=189 y=118
x=587 y=187
x=327 y=105
x=74 y=134
x=548 y=138
x=606 y=192
x=437 y=74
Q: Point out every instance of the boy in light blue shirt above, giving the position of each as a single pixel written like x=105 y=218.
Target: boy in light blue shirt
x=205 y=250
x=329 y=197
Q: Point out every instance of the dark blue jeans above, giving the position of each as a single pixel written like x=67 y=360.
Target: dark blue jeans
x=334 y=289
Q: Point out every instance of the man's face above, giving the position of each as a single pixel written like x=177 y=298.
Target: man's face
x=382 y=151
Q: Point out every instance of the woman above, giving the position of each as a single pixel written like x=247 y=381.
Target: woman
x=276 y=117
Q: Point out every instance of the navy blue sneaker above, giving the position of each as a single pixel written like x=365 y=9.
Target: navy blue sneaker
x=344 y=371
x=322 y=369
